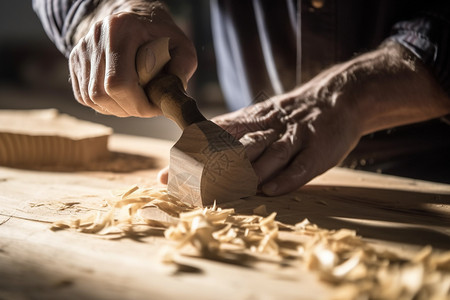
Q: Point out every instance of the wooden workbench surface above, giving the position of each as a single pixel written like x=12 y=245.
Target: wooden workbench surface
x=37 y=263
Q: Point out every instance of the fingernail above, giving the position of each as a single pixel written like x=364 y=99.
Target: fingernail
x=270 y=188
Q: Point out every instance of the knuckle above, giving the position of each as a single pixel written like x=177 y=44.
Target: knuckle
x=256 y=139
x=247 y=141
x=96 y=93
x=119 y=20
x=82 y=88
x=78 y=55
x=73 y=57
x=74 y=61
x=116 y=18
x=115 y=85
x=271 y=118
x=82 y=99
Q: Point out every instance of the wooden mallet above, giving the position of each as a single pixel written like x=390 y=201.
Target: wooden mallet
x=207 y=163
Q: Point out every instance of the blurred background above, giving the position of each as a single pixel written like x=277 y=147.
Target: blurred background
x=34 y=74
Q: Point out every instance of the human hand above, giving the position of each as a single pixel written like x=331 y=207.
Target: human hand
x=102 y=64
x=292 y=138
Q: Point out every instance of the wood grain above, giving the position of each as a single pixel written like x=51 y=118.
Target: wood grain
x=207 y=164
x=45 y=137
x=37 y=263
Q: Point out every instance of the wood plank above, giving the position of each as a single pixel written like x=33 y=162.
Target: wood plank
x=46 y=137
x=36 y=262
x=39 y=263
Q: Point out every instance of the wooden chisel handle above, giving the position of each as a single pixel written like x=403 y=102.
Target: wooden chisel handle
x=165 y=90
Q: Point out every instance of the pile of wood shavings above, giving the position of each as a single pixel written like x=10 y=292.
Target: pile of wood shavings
x=339 y=257
x=124 y=212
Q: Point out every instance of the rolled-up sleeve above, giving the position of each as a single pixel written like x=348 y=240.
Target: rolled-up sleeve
x=428 y=37
x=60 y=19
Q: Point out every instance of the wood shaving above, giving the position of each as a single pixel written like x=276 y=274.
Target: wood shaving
x=124 y=212
x=260 y=210
x=354 y=268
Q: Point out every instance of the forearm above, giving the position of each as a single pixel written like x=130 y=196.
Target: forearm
x=384 y=88
x=392 y=87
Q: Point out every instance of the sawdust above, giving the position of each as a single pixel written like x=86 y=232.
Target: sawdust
x=341 y=258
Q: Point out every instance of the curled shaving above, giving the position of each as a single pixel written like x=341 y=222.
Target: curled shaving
x=340 y=257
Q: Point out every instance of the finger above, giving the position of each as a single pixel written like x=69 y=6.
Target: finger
x=303 y=168
x=79 y=67
x=76 y=89
x=83 y=73
x=74 y=81
x=256 y=142
x=77 y=72
x=121 y=85
x=97 y=94
x=94 y=55
x=183 y=61
x=278 y=154
x=163 y=175
x=121 y=79
x=250 y=119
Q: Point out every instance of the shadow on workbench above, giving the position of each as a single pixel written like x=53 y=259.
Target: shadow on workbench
x=414 y=218
x=116 y=162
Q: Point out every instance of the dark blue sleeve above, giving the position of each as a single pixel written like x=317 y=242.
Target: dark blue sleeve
x=428 y=37
x=60 y=19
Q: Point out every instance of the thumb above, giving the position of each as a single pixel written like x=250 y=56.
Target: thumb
x=163 y=175
x=183 y=63
x=151 y=58
x=303 y=168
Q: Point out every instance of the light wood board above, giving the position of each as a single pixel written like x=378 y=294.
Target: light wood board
x=46 y=137
x=36 y=262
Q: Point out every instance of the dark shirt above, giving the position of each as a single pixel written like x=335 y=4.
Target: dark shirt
x=60 y=19
x=268 y=47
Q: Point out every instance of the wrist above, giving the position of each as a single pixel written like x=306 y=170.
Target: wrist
x=107 y=8
x=390 y=87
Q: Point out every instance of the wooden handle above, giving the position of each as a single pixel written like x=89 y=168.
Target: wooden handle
x=151 y=59
x=165 y=90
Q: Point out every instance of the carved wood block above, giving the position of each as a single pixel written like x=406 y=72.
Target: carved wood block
x=208 y=164
x=46 y=137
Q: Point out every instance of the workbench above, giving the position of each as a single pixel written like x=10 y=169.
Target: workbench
x=37 y=263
